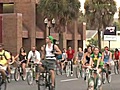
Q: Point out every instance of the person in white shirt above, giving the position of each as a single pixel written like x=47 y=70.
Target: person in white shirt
x=51 y=50
x=34 y=56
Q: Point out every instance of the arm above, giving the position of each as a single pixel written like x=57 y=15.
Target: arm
x=84 y=58
x=102 y=57
x=29 y=57
x=16 y=56
x=91 y=62
x=98 y=62
x=58 y=51
x=110 y=57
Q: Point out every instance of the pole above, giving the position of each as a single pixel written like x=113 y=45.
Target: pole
x=49 y=30
x=109 y=44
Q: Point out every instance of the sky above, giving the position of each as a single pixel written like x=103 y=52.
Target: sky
x=117 y=2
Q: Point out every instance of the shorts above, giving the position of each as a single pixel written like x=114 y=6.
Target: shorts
x=25 y=61
x=105 y=60
x=49 y=64
x=3 y=67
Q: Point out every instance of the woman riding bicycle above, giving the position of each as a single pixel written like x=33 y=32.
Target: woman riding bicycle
x=22 y=59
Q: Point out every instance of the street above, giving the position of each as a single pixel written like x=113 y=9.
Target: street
x=64 y=83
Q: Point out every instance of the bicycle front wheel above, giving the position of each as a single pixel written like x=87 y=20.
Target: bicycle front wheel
x=77 y=72
x=30 y=77
x=41 y=82
x=17 y=74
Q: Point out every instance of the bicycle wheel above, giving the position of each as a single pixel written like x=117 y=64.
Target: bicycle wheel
x=17 y=74
x=50 y=83
x=41 y=82
x=4 y=85
x=24 y=77
x=77 y=70
x=90 y=84
x=109 y=78
x=9 y=78
x=103 y=77
x=68 y=70
x=115 y=68
x=30 y=77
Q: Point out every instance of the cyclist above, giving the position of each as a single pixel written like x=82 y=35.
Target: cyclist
x=79 y=56
x=4 y=62
x=22 y=59
x=107 y=57
x=34 y=57
x=95 y=59
x=70 y=53
x=117 y=55
x=51 y=50
x=86 y=58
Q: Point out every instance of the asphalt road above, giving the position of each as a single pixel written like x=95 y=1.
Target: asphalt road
x=66 y=83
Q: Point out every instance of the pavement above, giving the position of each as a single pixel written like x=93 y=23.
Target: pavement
x=66 y=83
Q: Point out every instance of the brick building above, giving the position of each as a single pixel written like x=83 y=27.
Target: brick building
x=23 y=26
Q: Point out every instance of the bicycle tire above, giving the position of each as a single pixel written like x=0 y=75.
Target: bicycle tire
x=77 y=70
x=41 y=82
x=30 y=77
x=109 y=78
x=67 y=70
x=17 y=74
x=3 y=86
x=103 y=77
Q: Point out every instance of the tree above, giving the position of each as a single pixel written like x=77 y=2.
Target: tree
x=99 y=14
x=93 y=41
x=62 y=10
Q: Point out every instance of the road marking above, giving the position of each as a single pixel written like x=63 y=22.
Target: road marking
x=67 y=80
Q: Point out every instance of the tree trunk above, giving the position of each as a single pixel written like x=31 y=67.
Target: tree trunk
x=99 y=39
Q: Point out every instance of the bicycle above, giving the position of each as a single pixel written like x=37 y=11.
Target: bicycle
x=19 y=72
x=95 y=81
x=44 y=81
x=31 y=74
x=58 y=67
x=3 y=86
x=68 y=68
x=79 y=70
x=116 y=66
x=106 y=75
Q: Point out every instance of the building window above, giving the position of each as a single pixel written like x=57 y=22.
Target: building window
x=8 y=8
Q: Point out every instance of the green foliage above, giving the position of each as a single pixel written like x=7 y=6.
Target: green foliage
x=62 y=10
x=100 y=13
x=117 y=24
x=93 y=41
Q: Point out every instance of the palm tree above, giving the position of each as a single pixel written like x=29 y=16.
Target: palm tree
x=99 y=14
x=62 y=10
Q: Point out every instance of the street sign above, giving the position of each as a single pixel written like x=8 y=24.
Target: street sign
x=110 y=34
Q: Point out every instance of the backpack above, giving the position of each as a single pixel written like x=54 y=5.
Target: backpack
x=3 y=56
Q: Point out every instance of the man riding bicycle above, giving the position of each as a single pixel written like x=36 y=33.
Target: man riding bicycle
x=51 y=51
x=34 y=56
x=95 y=59
x=4 y=62
x=107 y=56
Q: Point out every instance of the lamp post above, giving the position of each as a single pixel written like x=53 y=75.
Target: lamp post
x=49 y=24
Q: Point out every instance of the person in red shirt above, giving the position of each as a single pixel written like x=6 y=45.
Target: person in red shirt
x=70 y=54
x=117 y=56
